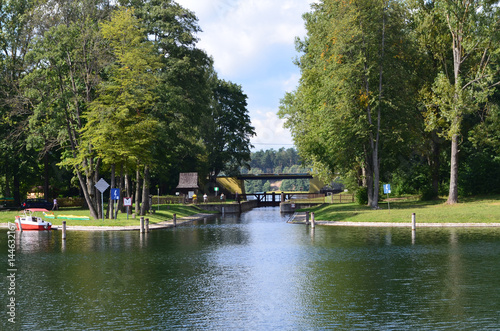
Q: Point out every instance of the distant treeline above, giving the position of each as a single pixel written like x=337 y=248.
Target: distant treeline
x=272 y=161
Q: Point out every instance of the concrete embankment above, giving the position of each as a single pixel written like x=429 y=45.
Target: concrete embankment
x=155 y=226
x=300 y=218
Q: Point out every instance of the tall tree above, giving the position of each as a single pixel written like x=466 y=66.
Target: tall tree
x=351 y=95
x=66 y=64
x=119 y=126
x=473 y=28
x=228 y=131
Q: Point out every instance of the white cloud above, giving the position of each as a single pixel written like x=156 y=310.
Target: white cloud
x=241 y=35
x=252 y=44
x=270 y=132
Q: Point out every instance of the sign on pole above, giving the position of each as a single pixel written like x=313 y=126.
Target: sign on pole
x=387 y=190
x=115 y=194
x=102 y=186
x=127 y=202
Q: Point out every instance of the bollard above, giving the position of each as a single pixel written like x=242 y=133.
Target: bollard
x=312 y=220
x=222 y=210
x=307 y=218
x=147 y=225
x=175 y=220
x=64 y=230
x=413 y=222
x=142 y=224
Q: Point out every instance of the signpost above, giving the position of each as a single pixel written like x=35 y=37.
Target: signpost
x=127 y=202
x=115 y=194
x=216 y=189
x=387 y=190
x=102 y=186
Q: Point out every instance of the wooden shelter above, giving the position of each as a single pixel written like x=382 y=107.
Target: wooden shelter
x=188 y=182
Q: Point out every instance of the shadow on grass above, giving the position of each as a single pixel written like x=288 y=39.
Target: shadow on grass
x=354 y=207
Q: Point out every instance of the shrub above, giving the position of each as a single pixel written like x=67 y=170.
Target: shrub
x=362 y=195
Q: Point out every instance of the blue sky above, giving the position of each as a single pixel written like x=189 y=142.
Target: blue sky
x=252 y=44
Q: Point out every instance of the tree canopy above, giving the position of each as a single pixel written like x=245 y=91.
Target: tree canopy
x=92 y=87
x=385 y=83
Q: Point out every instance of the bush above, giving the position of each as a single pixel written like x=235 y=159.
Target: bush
x=427 y=193
x=362 y=196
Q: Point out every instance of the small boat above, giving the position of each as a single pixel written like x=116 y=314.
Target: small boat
x=30 y=222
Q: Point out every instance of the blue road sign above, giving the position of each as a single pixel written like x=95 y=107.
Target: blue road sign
x=387 y=188
x=115 y=194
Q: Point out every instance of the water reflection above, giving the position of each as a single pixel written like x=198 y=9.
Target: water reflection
x=258 y=272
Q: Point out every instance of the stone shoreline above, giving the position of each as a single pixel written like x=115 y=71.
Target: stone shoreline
x=155 y=226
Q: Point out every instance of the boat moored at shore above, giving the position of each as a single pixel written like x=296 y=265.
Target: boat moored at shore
x=29 y=222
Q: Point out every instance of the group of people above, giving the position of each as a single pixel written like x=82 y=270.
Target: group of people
x=205 y=197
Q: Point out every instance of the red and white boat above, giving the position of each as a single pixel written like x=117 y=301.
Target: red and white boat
x=30 y=222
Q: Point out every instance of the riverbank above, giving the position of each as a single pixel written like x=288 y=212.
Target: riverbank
x=300 y=218
x=152 y=226
x=476 y=211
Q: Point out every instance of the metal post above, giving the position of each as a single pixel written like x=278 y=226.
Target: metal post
x=102 y=205
x=147 y=225
x=64 y=230
x=312 y=220
x=142 y=224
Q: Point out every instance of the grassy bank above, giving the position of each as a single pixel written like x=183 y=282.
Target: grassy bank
x=165 y=213
x=469 y=210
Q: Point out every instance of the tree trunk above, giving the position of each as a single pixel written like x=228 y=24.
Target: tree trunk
x=453 y=192
x=87 y=195
x=119 y=204
x=46 y=193
x=145 y=192
x=137 y=190
x=97 y=193
x=369 y=178
x=111 y=205
x=435 y=165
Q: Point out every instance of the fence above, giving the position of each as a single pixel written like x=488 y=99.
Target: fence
x=339 y=198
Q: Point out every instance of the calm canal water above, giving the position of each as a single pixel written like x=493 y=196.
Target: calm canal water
x=256 y=272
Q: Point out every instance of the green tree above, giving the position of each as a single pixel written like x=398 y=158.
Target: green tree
x=351 y=100
x=65 y=66
x=473 y=30
x=228 y=131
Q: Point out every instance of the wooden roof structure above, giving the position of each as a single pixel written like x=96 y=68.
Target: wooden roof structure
x=188 y=180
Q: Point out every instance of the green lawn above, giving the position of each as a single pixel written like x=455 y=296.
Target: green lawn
x=469 y=210
x=165 y=213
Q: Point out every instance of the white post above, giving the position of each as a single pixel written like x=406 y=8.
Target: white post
x=312 y=220
x=413 y=222
x=142 y=224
